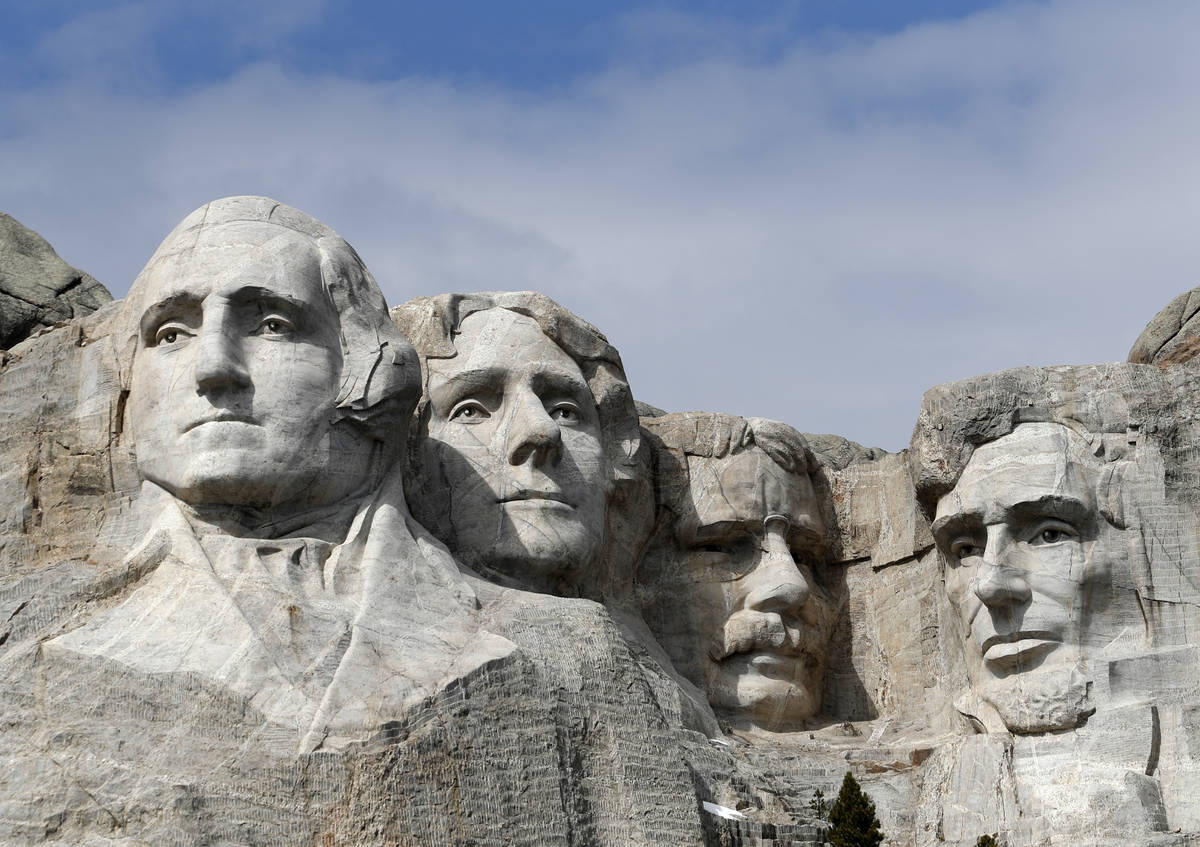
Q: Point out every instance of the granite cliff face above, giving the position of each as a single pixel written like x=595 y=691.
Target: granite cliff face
x=37 y=288
x=279 y=566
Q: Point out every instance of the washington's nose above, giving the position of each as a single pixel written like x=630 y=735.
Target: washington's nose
x=532 y=434
x=777 y=584
x=996 y=582
x=219 y=362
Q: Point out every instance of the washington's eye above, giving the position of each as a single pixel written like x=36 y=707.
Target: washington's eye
x=469 y=411
x=566 y=413
x=169 y=334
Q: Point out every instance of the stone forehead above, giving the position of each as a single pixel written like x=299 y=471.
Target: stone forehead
x=1034 y=460
x=1031 y=444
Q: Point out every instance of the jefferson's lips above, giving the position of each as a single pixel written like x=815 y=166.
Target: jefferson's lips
x=221 y=417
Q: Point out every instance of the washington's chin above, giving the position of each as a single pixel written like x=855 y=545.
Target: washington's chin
x=239 y=477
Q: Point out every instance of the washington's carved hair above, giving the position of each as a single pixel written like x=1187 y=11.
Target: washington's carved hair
x=380 y=377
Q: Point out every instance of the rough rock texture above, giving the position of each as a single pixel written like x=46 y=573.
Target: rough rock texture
x=1173 y=335
x=995 y=630
x=37 y=288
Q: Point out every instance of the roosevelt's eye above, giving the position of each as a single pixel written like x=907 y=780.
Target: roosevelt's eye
x=965 y=548
x=1052 y=532
x=170 y=333
x=567 y=413
x=469 y=411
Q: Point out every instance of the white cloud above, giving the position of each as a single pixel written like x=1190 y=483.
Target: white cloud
x=817 y=236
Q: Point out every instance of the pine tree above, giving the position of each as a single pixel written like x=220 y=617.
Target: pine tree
x=817 y=805
x=987 y=841
x=852 y=818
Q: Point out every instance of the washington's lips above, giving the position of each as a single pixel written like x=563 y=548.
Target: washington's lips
x=221 y=417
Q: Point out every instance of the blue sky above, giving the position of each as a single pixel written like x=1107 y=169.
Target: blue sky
x=811 y=211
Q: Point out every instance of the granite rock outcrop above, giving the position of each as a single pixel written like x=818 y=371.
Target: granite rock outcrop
x=280 y=566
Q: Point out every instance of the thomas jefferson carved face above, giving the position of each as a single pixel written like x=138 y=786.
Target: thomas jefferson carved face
x=236 y=373
x=514 y=435
x=738 y=609
x=1029 y=561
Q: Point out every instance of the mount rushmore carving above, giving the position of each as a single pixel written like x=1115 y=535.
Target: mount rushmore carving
x=281 y=566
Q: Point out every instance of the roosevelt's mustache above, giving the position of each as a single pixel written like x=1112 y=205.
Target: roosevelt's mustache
x=752 y=632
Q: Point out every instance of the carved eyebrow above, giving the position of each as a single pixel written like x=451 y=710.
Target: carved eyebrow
x=1070 y=509
x=272 y=299
x=156 y=312
x=950 y=525
x=559 y=378
x=464 y=382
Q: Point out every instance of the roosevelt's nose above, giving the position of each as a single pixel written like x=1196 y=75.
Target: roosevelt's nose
x=997 y=582
x=219 y=361
x=532 y=434
x=777 y=584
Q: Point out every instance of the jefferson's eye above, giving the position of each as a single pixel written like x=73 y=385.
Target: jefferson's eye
x=275 y=325
x=469 y=411
x=565 y=413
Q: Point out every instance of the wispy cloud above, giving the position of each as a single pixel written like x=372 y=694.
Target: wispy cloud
x=815 y=231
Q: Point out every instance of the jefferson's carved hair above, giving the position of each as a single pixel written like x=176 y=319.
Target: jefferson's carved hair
x=380 y=382
x=432 y=322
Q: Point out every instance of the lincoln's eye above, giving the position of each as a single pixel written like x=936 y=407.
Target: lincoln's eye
x=170 y=337
x=1052 y=531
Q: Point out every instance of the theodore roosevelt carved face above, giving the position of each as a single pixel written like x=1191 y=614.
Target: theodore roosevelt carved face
x=1029 y=567
x=731 y=589
x=237 y=372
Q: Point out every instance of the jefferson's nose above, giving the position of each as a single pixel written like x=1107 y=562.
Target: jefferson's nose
x=532 y=434
x=997 y=583
x=219 y=364
x=777 y=584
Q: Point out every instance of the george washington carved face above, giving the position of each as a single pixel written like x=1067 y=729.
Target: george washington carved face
x=237 y=371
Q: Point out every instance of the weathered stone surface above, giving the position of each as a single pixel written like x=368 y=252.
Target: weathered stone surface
x=1173 y=335
x=37 y=288
x=271 y=574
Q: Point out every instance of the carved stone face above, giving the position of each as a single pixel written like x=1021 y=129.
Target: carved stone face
x=514 y=436
x=1029 y=563
x=741 y=614
x=236 y=372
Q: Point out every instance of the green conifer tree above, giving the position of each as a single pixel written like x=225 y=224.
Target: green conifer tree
x=852 y=818
x=987 y=841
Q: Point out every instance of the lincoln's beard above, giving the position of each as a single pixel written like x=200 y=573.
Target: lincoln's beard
x=1044 y=700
